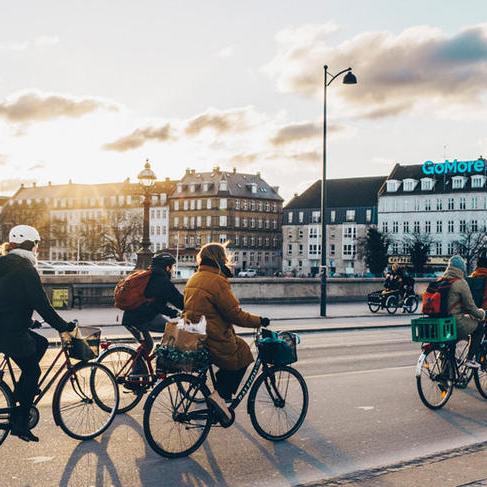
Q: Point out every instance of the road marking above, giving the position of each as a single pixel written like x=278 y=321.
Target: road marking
x=352 y=372
x=36 y=460
x=366 y=408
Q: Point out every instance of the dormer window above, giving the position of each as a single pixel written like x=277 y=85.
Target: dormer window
x=478 y=181
x=458 y=182
x=427 y=184
x=180 y=188
x=409 y=184
x=252 y=187
x=192 y=187
x=393 y=185
x=205 y=187
x=223 y=185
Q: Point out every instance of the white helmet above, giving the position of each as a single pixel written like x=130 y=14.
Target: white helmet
x=20 y=233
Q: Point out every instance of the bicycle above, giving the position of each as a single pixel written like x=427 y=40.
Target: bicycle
x=85 y=399
x=441 y=367
x=178 y=418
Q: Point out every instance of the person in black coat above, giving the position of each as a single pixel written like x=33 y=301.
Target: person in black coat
x=151 y=316
x=21 y=294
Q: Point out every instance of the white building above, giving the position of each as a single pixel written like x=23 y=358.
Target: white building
x=443 y=206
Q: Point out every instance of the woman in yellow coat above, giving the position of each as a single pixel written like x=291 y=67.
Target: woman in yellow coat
x=208 y=293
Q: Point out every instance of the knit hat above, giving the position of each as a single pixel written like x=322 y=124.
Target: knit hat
x=457 y=262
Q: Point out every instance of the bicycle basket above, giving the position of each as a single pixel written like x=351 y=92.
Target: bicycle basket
x=375 y=297
x=171 y=360
x=278 y=348
x=85 y=344
x=434 y=330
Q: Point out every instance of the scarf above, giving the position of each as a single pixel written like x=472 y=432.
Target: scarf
x=26 y=254
x=453 y=273
x=480 y=272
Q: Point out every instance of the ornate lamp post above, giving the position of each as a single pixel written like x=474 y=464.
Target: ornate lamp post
x=146 y=179
x=348 y=79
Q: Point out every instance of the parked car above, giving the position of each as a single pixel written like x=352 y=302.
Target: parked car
x=247 y=273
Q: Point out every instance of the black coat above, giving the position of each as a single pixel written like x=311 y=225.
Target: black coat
x=21 y=293
x=162 y=291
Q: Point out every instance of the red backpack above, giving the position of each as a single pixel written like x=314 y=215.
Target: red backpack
x=435 y=298
x=129 y=293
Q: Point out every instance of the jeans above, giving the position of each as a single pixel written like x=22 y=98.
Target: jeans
x=227 y=381
x=142 y=332
x=27 y=386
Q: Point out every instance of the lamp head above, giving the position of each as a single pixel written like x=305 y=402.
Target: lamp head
x=147 y=176
x=350 y=79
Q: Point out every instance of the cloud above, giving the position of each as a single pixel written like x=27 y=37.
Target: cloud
x=395 y=72
x=139 y=137
x=245 y=159
x=37 y=166
x=40 y=107
x=221 y=122
x=12 y=185
x=39 y=42
x=301 y=131
x=226 y=52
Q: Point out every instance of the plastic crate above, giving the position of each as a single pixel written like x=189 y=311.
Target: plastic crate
x=434 y=330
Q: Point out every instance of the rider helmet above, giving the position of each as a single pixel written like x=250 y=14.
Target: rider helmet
x=24 y=233
x=163 y=259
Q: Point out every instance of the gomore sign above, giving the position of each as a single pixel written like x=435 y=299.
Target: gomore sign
x=453 y=167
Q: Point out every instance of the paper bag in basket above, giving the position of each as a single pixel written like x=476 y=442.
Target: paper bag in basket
x=178 y=338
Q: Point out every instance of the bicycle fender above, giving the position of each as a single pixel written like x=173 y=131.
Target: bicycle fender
x=420 y=363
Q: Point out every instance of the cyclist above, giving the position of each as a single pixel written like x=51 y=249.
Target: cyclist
x=480 y=272
x=21 y=294
x=208 y=293
x=462 y=306
x=152 y=315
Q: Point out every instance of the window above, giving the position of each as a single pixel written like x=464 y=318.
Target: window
x=475 y=202
x=463 y=226
x=223 y=203
x=259 y=222
x=301 y=217
x=192 y=187
x=349 y=232
x=192 y=204
x=395 y=227
x=409 y=184
x=223 y=220
x=458 y=182
x=350 y=215
x=313 y=232
x=332 y=249
x=198 y=221
x=223 y=238
x=439 y=249
x=439 y=204
x=176 y=205
x=300 y=249
x=405 y=227
x=478 y=181
x=463 y=204
x=427 y=205
x=223 y=185
x=199 y=205
x=385 y=227
x=416 y=227
x=451 y=248
x=208 y=204
x=349 y=250
x=237 y=204
x=416 y=205
x=180 y=188
x=427 y=227
x=186 y=204
x=439 y=226
x=208 y=221
x=185 y=222
x=237 y=221
x=205 y=187
x=314 y=249
x=451 y=203
x=474 y=225
x=152 y=232
x=176 y=221
x=451 y=226
x=393 y=185
x=300 y=233
x=395 y=248
x=290 y=217
x=426 y=184
x=252 y=223
x=315 y=217
x=368 y=216
x=332 y=216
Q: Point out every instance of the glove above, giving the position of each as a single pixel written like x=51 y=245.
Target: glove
x=265 y=322
x=172 y=313
x=70 y=326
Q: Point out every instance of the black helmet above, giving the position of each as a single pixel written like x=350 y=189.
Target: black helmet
x=163 y=259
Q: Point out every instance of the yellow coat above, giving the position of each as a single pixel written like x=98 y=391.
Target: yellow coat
x=208 y=293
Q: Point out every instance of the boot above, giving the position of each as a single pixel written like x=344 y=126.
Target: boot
x=19 y=426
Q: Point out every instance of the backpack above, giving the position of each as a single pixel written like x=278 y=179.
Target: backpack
x=435 y=298
x=477 y=287
x=129 y=293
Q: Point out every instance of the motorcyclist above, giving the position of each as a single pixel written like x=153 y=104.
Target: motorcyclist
x=21 y=294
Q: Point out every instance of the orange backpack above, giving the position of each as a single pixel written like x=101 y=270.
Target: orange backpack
x=129 y=293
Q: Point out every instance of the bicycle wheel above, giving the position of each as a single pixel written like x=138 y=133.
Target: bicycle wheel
x=6 y=405
x=119 y=359
x=433 y=380
x=392 y=303
x=411 y=304
x=174 y=424
x=278 y=403
x=465 y=373
x=76 y=403
x=374 y=307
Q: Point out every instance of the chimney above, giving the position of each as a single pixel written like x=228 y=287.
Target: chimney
x=22 y=185
x=167 y=180
x=295 y=195
x=188 y=171
x=49 y=183
x=34 y=184
x=275 y=189
x=234 y=170
x=216 y=169
x=193 y=171
x=70 y=182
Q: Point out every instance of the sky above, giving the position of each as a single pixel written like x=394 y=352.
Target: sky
x=89 y=90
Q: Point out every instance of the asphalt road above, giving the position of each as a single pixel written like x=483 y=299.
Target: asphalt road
x=364 y=412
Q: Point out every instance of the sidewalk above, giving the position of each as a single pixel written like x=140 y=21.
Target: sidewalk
x=462 y=467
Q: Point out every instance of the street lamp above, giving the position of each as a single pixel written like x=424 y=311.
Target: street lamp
x=146 y=179
x=348 y=79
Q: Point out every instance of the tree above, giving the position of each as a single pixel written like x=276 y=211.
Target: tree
x=374 y=249
x=470 y=244
x=122 y=235
x=418 y=246
x=92 y=238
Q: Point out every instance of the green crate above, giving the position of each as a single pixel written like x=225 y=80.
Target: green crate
x=434 y=330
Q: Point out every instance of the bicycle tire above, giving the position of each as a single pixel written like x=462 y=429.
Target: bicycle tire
x=374 y=307
x=262 y=381
x=392 y=304
x=175 y=382
x=6 y=402
x=414 y=304
x=444 y=386
x=72 y=377
x=480 y=378
x=134 y=396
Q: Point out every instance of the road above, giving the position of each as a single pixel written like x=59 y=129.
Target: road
x=364 y=412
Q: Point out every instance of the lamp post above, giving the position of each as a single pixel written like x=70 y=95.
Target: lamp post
x=146 y=179
x=348 y=79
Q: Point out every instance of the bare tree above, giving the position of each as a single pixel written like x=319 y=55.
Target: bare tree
x=122 y=235
x=92 y=238
x=418 y=246
x=470 y=244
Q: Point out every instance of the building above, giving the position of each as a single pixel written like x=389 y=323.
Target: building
x=351 y=208
x=444 y=207
x=89 y=221
x=224 y=206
